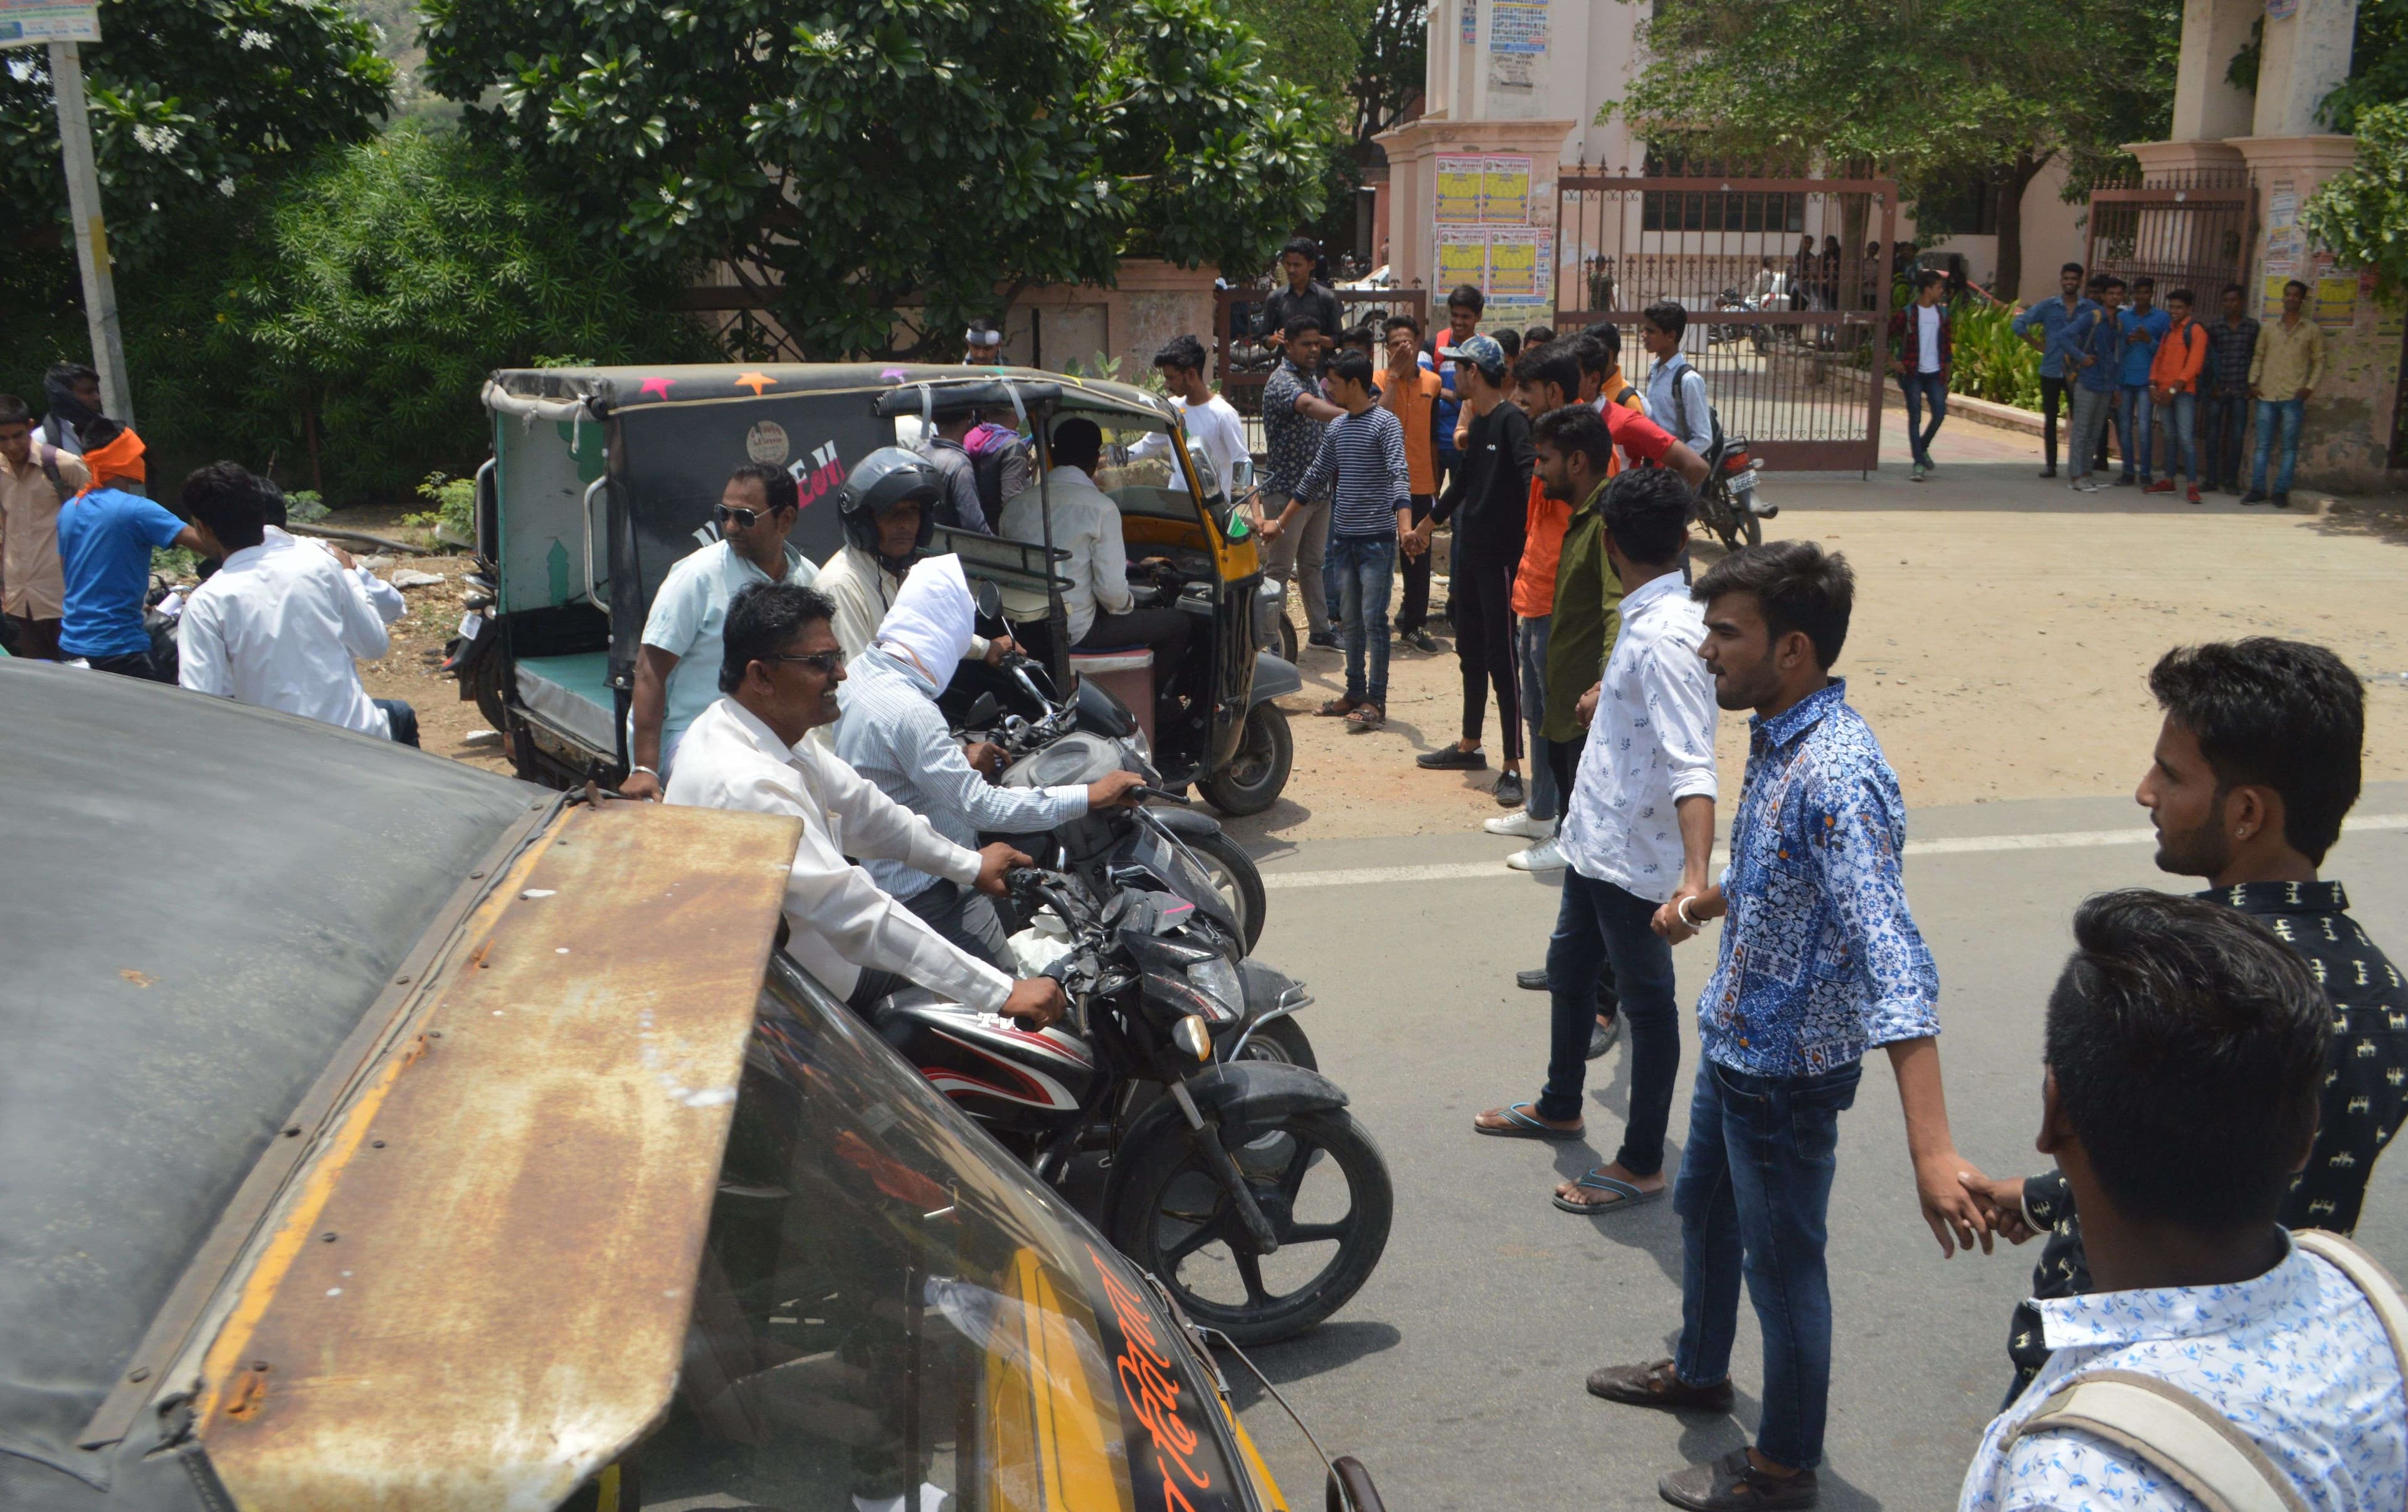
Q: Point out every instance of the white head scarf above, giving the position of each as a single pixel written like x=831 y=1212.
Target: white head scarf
x=932 y=619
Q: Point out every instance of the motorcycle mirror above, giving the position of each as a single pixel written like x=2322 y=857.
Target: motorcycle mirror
x=981 y=713
x=990 y=599
x=1191 y=1035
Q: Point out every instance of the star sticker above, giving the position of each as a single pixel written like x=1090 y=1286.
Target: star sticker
x=755 y=382
x=659 y=386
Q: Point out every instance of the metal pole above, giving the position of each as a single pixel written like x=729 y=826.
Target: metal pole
x=91 y=234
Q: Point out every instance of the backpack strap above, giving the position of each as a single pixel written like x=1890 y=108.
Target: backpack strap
x=2168 y=1428
x=50 y=455
x=1626 y=394
x=2380 y=1287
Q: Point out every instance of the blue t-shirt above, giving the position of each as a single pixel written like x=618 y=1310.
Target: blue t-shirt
x=105 y=542
x=2142 y=334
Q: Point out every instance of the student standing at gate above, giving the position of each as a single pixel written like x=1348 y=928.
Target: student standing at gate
x=1921 y=350
x=2288 y=364
x=2173 y=388
x=2144 y=327
x=2050 y=317
x=2224 y=391
x=2094 y=355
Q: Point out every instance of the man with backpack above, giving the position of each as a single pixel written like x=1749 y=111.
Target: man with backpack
x=34 y=481
x=2173 y=388
x=1676 y=392
x=2220 y=1360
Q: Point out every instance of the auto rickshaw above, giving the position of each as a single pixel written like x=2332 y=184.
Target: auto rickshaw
x=440 y=1142
x=602 y=478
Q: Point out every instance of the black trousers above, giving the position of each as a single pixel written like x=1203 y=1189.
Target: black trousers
x=1483 y=600
x=2052 y=396
x=140 y=664
x=1414 y=612
x=1562 y=758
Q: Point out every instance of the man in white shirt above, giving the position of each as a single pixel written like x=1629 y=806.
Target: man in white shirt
x=281 y=621
x=1102 y=611
x=888 y=506
x=2186 y=1050
x=1213 y=422
x=894 y=734
x=677 y=665
x=1921 y=342
x=779 y=669
x=1635 y=836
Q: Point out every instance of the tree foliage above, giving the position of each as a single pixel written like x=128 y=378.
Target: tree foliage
x=870 y=158
x=193 y=102
x=2362 y=214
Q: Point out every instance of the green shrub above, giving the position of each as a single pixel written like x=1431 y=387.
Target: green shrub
x=455 y=506
x=1992 y=362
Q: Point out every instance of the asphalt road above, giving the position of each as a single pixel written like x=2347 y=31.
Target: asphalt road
x=1456 y=1375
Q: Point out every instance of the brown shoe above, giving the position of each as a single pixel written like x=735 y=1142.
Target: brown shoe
x=1654 y=1384
x=1733 y=1484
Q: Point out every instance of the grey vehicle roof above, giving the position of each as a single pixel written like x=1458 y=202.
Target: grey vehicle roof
x=201 y=900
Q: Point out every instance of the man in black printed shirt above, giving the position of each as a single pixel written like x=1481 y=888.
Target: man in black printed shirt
x=2256 y=764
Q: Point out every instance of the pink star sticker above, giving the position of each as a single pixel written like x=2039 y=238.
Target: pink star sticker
x=659 y=386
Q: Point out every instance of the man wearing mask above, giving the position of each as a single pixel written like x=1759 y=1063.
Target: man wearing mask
x=895 y=736
x=677 y=665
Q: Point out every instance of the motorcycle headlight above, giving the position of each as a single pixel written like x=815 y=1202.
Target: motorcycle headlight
x=1216 y=982
x=1138 y=749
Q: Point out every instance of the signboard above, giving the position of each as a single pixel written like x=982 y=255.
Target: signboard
x=1518 y=26
x=29 y=22
x=1505 y=190
x=1517 y=56
x=1460 y=182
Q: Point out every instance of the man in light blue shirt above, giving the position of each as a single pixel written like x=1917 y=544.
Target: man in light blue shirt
x=1676 y=392
x=677 y=667
x=2050 y=317
x=895 y=736
x=2143 y=326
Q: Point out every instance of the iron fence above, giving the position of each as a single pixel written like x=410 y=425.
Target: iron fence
x=2180 y=237
x=1245 y=364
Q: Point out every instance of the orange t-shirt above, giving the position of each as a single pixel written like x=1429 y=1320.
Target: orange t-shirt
x=1543 y=543
x=1412 y=406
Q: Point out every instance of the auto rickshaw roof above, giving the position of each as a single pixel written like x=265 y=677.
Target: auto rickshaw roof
x=552 y=392
x=204 y=901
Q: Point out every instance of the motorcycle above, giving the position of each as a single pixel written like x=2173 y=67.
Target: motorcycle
x=1727 y=503
x=1228 y=1177
x=1757 y=336
x=1090 y=734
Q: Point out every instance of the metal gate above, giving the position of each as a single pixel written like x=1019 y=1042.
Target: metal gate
x=1787 y=340
x=2197 y=238
x=1245 y=367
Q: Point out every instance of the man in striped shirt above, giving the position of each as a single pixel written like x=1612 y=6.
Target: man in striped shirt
x=1362 y=458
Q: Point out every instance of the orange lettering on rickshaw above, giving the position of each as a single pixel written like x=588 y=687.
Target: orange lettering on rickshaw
x=1151 y=1391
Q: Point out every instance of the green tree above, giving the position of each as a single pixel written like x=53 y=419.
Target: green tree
x=2362 y=214
x=1924 y=90
x=193 y=102
x=869 y=159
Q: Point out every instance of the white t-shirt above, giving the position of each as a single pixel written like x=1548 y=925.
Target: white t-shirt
x=1927 y=333
x=1215 y=427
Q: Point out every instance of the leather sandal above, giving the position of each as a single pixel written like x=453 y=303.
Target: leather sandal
x=1656 y=1385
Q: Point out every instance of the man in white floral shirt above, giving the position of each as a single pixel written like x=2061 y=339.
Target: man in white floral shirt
x=2186 y=1054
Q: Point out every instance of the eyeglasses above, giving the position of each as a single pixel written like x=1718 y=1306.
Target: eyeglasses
x=743 y=519
x=825 y=662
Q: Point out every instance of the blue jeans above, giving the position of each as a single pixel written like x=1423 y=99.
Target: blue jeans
x=1923 y=389
x=1597 y=924
x=2132 y=412
x=1531 y=644
x=2287 y=414
x=1364 y=567
x=2222 y=422
x=402 y=717
x=1754 y=1195
x=2177 y=431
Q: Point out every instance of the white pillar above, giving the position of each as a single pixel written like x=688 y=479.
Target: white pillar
x=2306 y=56
x=2207 y=105
x=90 y=232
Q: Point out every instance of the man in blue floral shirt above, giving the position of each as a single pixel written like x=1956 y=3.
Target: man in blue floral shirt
x=1820 y=963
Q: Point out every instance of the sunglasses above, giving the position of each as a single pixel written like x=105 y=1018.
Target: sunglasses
x=825 y=662
x=742 y=519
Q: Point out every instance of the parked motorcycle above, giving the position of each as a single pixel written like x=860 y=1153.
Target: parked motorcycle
x=1757 y=336
x=1241 y=1184
x=1727 y=504
x=1053 y=742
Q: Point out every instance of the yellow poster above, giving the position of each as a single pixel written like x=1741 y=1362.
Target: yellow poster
x=2271 y=307
x=1462 y=256
x=1513 y=264
x=2336 y=301
x=1460 y=179
x=1505 y=190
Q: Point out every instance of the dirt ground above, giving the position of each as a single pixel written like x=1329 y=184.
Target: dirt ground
x=2003 y=632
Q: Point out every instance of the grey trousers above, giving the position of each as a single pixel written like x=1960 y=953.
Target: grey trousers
x=966 y=917
x=1296 y=557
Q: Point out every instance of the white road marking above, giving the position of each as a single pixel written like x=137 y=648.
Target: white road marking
x=1952 y=846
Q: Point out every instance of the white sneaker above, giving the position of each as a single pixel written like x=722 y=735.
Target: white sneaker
x=1519 y=822
x=1547 y=855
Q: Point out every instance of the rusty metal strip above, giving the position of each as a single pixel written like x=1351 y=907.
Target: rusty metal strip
x=480 y=1296
x=146 y=1374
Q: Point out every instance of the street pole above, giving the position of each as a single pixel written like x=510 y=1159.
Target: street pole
x=90 y=232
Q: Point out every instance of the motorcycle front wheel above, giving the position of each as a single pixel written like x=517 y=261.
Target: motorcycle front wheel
x=1237 y=879
x=1320 y=1181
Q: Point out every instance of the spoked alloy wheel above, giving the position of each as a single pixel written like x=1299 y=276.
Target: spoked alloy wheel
x=1320 y=1181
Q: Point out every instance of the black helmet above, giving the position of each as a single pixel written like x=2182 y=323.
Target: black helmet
x=881 y=480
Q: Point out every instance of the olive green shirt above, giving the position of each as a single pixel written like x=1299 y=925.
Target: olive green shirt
x=1588 y=615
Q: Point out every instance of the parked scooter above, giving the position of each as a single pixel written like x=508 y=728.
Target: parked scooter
x=1242 y=1185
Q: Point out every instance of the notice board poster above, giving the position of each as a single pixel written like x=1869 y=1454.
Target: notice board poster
x=1463 y=256
x=30 y=23
x=1505 y=190
x=1513 y=264
x=2336 y=301
x=1462 y=179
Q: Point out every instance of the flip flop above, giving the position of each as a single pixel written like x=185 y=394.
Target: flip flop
x=1527 y=1126
x=1338 y=708
x=1625 y=1194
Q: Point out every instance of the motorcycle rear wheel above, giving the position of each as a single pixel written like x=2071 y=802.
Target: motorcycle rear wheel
x=1253 y=776
x=1175 y=1221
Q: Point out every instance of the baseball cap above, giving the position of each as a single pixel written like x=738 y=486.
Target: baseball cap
x=1483 y=352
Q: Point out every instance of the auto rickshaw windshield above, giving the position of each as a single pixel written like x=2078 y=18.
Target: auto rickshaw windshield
x=891 y=1312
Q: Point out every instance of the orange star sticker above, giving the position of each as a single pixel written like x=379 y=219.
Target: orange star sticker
x=757 y=382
